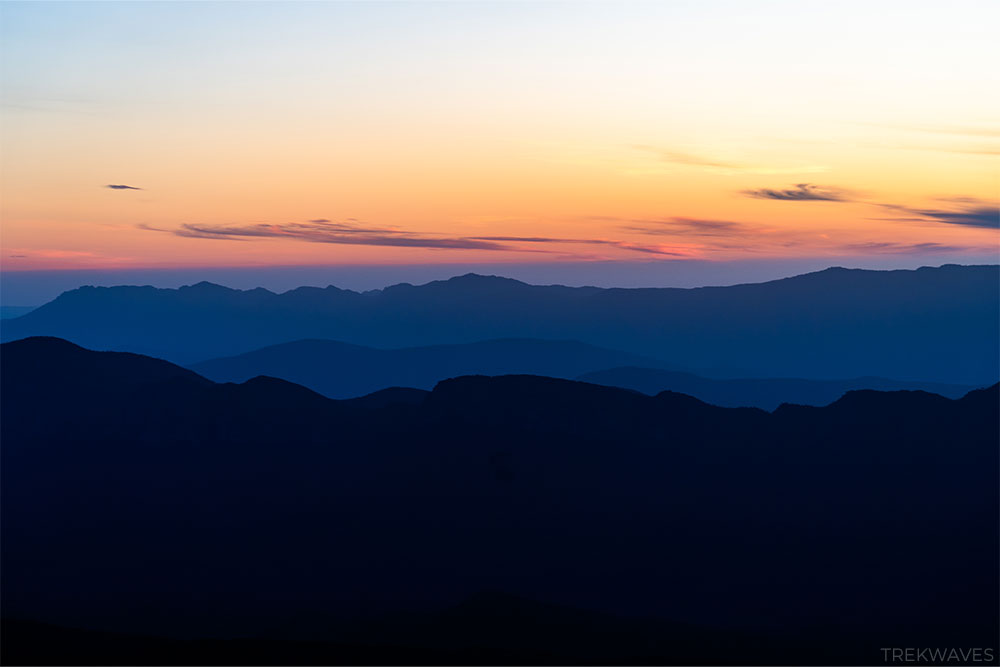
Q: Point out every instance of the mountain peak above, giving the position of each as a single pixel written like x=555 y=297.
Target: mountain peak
x=205 y=286
x=480 y=279
x=465 y=281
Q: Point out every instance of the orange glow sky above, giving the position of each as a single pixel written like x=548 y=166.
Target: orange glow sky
x=381 y=133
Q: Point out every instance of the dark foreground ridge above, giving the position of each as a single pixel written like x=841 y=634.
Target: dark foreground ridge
x=141 y=499
x=765 y=393
x=932 y=324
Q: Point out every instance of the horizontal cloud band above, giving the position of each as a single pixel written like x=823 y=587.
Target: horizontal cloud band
x=324 y=231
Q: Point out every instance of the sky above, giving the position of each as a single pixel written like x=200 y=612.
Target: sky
x=182 y=136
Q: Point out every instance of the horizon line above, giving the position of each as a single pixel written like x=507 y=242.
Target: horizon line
x=474 y=274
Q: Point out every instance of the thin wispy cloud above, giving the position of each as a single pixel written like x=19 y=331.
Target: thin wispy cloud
x=625 y=245
x=681 y=157
x=325 y=231
x=969 y=212
x=957 y=139
x=800 y=192
x=334 y=232
x=725 y=166
x=680 y=226
x=121 y=187
x=904 y=248
x=726 y=236
x=54 y=253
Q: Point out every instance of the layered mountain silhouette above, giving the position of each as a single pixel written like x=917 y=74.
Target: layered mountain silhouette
x=765 y=393
x=932 y=324
x=139 y=497
x=341 y=370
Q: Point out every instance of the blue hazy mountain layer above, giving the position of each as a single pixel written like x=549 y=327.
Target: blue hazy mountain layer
x=342 y=370
x=932 y=324
x=10 y=312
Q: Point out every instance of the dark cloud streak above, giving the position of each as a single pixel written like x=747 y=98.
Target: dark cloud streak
x=800 y=192
x=679 y=226
x=333 y=232
x=607 y=242
x=325 y=231
x=974 y=213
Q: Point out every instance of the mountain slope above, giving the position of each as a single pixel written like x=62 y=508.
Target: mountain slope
x=936 y=324
x=188 y=508
x=8 y=312
x=340 y=370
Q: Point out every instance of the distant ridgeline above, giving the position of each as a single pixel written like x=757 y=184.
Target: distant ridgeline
x=341 y=370
x=932 y=324
x=612 y=526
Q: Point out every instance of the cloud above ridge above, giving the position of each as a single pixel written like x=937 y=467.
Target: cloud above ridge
x=799 y=192
x=965 y=211
x=321 y=230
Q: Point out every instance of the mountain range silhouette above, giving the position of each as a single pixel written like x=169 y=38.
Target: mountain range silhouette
x=341 y=370
x=931 y=324
x=140 y=498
